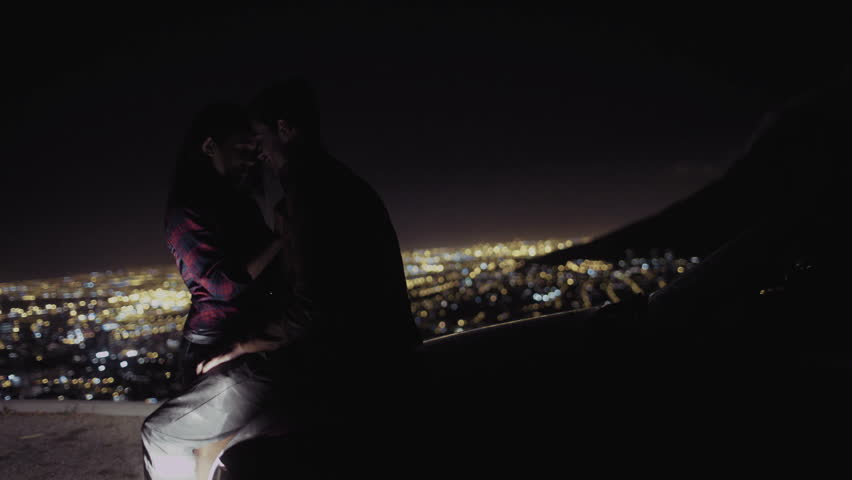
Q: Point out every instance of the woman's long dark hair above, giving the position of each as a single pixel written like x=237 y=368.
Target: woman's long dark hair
x=194 y=176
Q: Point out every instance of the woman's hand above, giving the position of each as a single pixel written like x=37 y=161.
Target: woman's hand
x=240 y=349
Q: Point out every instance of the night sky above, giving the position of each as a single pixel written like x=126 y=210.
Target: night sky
x=473 y=125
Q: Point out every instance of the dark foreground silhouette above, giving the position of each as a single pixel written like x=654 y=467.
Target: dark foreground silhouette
x=741 y=365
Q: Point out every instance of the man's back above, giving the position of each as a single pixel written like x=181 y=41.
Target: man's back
x=348 y=255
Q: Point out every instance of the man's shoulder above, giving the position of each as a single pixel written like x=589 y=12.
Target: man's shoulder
x=341 y=182
x=355 y=183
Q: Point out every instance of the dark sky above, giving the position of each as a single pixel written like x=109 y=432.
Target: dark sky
x=472 y=124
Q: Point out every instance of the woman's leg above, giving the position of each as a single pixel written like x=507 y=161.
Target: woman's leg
x=217 y=405
x=206 y=455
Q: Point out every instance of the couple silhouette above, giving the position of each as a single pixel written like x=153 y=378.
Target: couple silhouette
x=280 y=320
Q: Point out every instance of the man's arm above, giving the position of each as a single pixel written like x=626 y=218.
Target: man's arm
x=195 y=244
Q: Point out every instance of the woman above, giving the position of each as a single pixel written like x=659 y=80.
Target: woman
x=223 y=249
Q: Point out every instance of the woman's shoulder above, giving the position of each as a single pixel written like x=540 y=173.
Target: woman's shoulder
x=179 y=211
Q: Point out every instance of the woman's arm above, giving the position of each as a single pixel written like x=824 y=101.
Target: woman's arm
x=194 y=242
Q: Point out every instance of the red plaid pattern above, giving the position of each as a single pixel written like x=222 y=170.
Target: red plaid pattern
x=215 y=280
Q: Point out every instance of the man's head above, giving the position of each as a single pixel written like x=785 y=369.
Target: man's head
x=221 y=138
x=285 y=117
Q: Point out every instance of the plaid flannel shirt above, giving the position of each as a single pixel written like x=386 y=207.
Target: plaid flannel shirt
x=211 y=245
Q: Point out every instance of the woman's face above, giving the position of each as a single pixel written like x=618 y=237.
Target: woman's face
x=235 y=157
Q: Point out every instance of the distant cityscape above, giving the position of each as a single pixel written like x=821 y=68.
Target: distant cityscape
x=114 y=334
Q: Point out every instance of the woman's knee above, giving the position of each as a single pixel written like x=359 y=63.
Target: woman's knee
x=152 y=425
x=146 y=431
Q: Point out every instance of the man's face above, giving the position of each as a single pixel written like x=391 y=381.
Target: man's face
x=271 y=149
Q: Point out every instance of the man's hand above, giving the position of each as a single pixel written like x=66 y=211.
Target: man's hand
x=241 y=348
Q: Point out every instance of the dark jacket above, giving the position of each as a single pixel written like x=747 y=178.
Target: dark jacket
x=342 y=254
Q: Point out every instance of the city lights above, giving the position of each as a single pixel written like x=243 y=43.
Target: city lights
x=77 y=337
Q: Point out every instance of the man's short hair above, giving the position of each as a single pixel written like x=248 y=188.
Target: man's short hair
x=293 y=101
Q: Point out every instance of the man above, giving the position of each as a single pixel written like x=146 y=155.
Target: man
x=342 y=259
x=341 y=251
x=223 y=251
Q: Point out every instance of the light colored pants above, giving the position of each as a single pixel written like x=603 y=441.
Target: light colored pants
x=214 y=407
